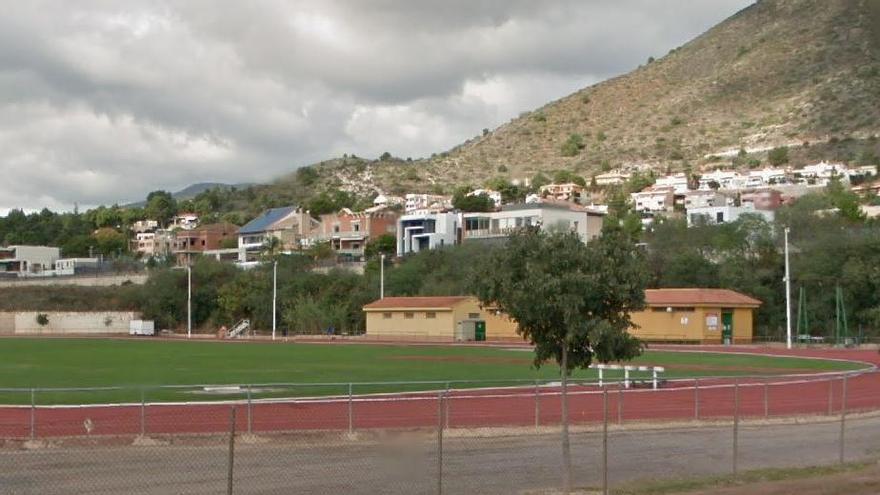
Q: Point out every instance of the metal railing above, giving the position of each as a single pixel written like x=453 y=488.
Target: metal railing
x=457 y=436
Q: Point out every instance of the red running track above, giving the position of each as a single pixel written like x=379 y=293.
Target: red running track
x=710 y=399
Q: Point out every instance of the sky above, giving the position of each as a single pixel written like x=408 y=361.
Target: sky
x=104 y=101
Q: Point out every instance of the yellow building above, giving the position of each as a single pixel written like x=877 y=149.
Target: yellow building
x=705 y=316
x=447 y=318
x=708 y=316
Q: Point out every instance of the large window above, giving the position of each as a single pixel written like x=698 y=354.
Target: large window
x=408 y=316
x=386 y=316
x=430 y=315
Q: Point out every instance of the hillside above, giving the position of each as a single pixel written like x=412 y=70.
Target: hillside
x=799 y=73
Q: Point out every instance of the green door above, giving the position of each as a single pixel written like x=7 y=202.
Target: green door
x=480 y=330
x=727 y=327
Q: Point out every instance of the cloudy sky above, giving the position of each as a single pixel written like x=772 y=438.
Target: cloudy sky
x=103 y=101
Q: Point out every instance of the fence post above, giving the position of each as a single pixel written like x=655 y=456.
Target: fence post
x=735 y=424
x=604 y=440
x=619 y=403
x=537 y=405
x=446 y=407
x=143 y=413
x=766 y=397
x=843 y=421
x=350 y=410
x=231 y=461
x=696 y=399
x=249 y=411
x=440 y=422
x=830 y=397
x=33 y=415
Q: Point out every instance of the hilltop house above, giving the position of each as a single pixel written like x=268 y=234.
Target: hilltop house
x=561 y=216
x=290 y=225
x=205 y=238
x=348 y=232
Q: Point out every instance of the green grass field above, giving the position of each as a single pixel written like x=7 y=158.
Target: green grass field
x=66 y=363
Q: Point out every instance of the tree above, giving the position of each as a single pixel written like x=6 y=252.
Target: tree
x=571 y=300
x=567 y=176
x=109 y=242
x=384 y=244
x=573 y=145
x=473 y=202
x=161 y=207
x=778 y=156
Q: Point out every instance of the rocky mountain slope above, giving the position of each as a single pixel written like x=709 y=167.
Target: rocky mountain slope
x=798 y=73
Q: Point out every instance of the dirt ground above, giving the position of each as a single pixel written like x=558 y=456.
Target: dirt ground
x=856 y=482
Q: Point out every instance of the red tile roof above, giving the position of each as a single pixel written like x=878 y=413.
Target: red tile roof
x=698 y=297
x=444 y=302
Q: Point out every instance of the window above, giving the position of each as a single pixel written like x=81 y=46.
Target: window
x=356 y=227
x=336 y=228
x=386 y=316
x=719 y=217
x=408 y=316
x=430 y=315
x=473 y=316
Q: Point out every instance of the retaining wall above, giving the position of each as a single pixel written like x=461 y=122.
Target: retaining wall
x=66 y=322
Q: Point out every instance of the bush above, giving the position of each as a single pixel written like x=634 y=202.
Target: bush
x=42 y=319
x=573 y=145
x=778 y=156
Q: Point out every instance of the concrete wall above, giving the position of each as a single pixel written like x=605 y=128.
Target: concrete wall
x=7 y=323
x=82 y=281
x=67 y=323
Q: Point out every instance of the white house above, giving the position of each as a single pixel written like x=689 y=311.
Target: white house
x=23 y=261
x=612 y=178
x=678 y=182
x=703 y=199
x=416 y=202
x=420 y=231
x=769 y=176
x=387 y=200
x=723 y=214
x=495 y=196
x=69 y=266
x=185 y=221
x=551 y=216
x=654 y=200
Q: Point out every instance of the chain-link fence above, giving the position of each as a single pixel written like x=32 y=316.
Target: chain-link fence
x=427 y=437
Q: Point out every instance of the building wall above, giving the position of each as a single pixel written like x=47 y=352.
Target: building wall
x=67 y=323
x=442 y=327
x=690 y=326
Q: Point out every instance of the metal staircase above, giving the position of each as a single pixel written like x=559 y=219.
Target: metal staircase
x=239 y=329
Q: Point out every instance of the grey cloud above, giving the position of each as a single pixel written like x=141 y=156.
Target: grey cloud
x=105 y=101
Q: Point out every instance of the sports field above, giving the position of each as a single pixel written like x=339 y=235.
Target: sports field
x=65 y=363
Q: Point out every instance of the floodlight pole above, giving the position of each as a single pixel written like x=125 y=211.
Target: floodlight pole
x=382 y=276
x=189 y=284
x=787 y=294
x=274 y=295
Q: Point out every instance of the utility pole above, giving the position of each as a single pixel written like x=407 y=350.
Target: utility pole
x=382 y=276
x=274 y=295
x=787 y=294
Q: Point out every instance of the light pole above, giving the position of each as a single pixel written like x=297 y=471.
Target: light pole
x=787 y=294
x=274 y=295
x=189 y=293
x=382 y=276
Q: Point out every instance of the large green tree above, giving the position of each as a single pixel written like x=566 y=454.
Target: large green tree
x=571 y=300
